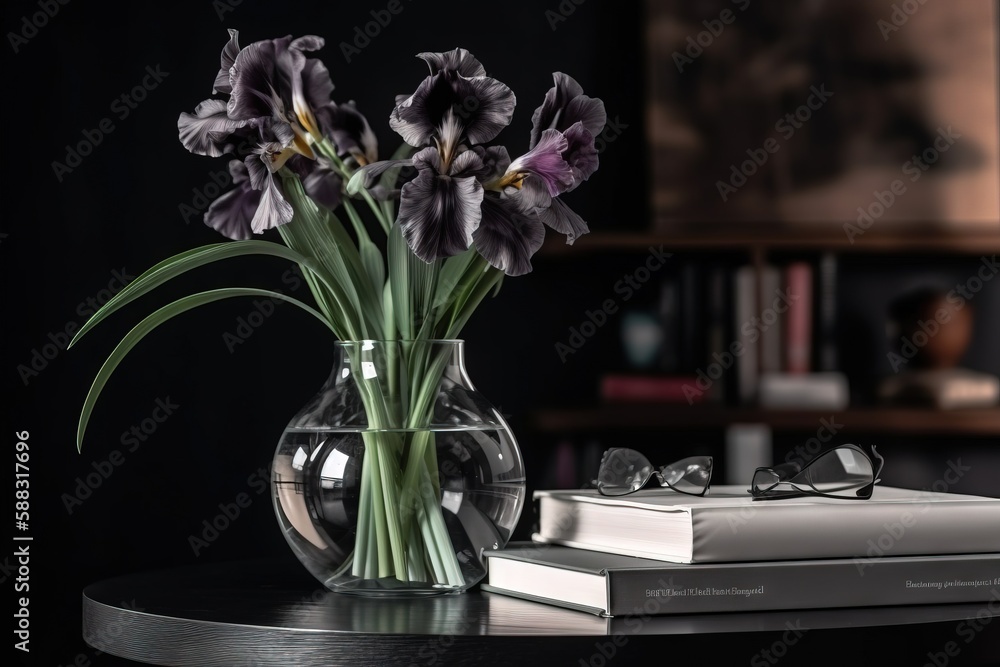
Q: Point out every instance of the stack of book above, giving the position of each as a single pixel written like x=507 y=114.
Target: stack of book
x=658 y=552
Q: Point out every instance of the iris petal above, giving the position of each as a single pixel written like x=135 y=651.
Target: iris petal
x=506 y=238
x=437 y=212
x=564 y=105
x=483 y=106
x=232 y=213
x=581 y=153
x=458 y=60
x=273 y=209
x=319 y=180
x=349 y=130
x=253 y=82
x=208 y=130
x=546 y=162
x=564 y=220
x=228 y=57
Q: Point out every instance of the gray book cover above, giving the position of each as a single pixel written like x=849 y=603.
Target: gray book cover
x=729 y=525
x=641 y=586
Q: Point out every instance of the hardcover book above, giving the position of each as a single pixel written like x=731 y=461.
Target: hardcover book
x=728 y=525
x=612 y=585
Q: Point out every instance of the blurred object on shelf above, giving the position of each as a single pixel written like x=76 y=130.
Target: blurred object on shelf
x=930 y=330
x=748 y=447
x=942 y=388
x=804 y=391
x=642 y=339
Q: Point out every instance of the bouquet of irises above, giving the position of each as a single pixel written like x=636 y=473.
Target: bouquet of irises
x=457 y=215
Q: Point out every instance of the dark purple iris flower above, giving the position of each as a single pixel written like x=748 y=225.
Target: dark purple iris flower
x=278 y=106
x=499 y=205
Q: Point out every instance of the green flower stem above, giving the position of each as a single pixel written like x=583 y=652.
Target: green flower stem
x=330 y=153
x=334 y=300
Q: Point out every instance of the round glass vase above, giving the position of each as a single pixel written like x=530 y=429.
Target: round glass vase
x=398 y=474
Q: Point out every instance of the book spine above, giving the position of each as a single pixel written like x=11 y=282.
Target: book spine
x=744 y=309
x=667 y=309
x=692 y=332
x=770 y=339
x=827 y=314
x=804 y=585
x=715 y=328
x=798 y=339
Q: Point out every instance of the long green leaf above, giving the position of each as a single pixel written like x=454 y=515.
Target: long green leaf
x=156 y=319
x=174 y=266
x=399 y=282
x=371 y=258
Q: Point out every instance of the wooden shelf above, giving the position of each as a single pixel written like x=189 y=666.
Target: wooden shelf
x=899 y=421
x=936 y=242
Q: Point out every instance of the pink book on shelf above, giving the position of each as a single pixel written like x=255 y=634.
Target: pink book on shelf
x=798 y=320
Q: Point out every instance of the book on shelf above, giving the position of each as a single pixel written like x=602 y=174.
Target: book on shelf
x=942 y=388
x=803 y=391
x=798 y=320
x=771 y=343
x=728 y=525
x=826 y=313
x=625 y=388
x=614 y=585
x=745 y=311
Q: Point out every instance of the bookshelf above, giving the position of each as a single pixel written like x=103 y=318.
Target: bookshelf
x=758 y=246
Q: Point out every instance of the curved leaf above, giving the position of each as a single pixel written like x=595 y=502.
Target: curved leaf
x=156 y=319
x=183 y=262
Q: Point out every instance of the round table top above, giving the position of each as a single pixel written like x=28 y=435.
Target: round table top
x=257 y=613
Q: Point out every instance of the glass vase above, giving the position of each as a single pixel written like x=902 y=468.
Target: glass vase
x=398 y=474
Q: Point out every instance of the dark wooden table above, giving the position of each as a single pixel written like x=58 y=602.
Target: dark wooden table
x=261 y=613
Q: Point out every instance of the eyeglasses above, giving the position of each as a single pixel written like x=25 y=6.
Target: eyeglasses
x=625 y=471
x=845 y=472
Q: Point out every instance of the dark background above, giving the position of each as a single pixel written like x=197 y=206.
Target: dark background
x=120 y=211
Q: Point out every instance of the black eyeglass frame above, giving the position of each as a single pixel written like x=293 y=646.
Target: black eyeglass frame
x=705 y=462
x=789 y=473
